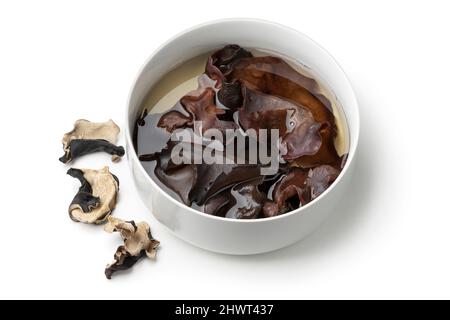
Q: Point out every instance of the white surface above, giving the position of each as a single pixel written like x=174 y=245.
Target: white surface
x=389 y=239
x=232 y=236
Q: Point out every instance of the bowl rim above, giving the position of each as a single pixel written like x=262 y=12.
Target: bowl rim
x=132 y=154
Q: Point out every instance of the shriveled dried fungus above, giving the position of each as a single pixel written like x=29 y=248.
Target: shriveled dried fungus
x=89 y=137
x=97 y=196
x=138 y=242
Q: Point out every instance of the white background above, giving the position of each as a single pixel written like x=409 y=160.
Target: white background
x=390 y=238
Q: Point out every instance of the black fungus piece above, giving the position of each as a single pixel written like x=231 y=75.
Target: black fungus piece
x=84 y=198
x=299 y=132
x=220 y=63
x=213 y=179
x=178 y=177
x=299 y=187
x=173 y=120
x=138 y=243
x=218 y=205
x=200 y=108
x=122 y=261
x=247 y=201
x=97 y=196
x=230 y=95
x=78 y=148
x=240 y=91
x=89 y=137
x=274 y=76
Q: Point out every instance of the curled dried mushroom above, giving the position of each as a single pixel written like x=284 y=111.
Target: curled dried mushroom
x=97 y=196
x=138 y=242
x=89 y=137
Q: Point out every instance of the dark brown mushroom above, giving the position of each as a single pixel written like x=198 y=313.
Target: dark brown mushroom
x=213 y=179
x=178 y=178
x=272 y=75
x=240 y=91
x=230 y=95
x=89 y=137
x=200 y=108
x=217 y=205
x=220 y=62
x=173 y=120
x=299 y=132
x=97 y=196
x=299 y=187
x=247 y=200
x=138 y=242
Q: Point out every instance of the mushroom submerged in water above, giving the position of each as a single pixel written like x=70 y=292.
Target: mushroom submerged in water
x=97 y=196
x=89 y=137
x=242 y=93
x=138 y=242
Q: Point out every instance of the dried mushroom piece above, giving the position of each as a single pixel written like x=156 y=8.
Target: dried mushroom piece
x=138 y=242
x=97 y=196
x=89 y=137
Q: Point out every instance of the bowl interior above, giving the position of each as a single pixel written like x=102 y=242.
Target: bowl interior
x=247 y=33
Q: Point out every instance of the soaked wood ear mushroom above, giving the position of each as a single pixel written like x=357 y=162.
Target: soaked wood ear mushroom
x=97 y=196
x=89 y=137
x=242 y=94
x=138 y=242
x=300 y=133
x=273 y=76
x=299 y=187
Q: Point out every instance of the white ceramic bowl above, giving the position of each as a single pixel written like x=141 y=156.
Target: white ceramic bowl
x=227 y=235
